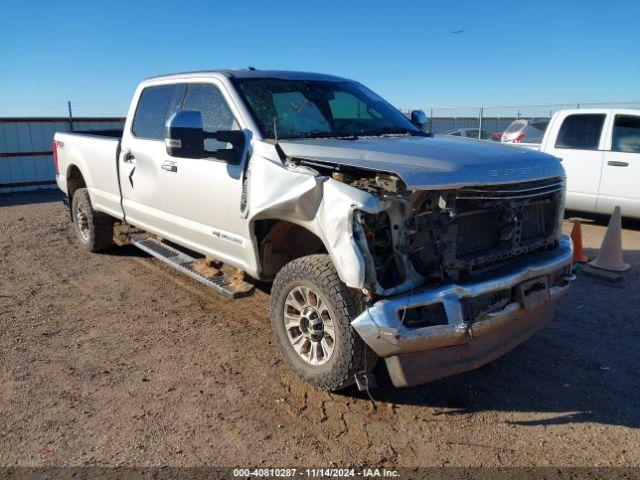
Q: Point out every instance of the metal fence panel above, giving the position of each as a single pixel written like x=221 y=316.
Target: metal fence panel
x=26 y=160
x=489 y=122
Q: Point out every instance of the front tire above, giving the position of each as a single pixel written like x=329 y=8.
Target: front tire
x=311 y=314
x=93 y=229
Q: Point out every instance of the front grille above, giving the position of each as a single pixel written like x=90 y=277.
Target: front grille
x=532 y=221
x=512 y=191
x=457 y=234
x=498 y=222
x=478 y=231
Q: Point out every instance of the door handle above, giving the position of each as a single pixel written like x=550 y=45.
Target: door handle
x=614 y=163
x=128 y=158
x=170 y=167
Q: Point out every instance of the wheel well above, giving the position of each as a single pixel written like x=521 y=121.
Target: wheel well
x=75 y=180
x=280 y=241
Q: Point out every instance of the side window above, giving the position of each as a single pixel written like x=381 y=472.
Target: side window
x=216 y=115
x=155 y=106
x=626 y=134
x=581 y=131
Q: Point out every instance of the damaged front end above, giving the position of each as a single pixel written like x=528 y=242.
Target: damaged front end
x=432 y=237
x=456 y=277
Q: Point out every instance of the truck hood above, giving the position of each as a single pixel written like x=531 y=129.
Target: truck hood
x=431 y=162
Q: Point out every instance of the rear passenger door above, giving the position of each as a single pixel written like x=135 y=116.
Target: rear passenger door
x=579 y=144
x=620 y=183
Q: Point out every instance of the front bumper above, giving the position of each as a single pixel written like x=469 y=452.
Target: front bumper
x=382 y=328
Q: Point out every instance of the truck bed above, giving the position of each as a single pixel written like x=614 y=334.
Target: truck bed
x=94 y=153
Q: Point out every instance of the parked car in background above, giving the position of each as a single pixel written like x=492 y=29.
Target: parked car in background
x=525 y=131
x=471 y=133
x=600 y=152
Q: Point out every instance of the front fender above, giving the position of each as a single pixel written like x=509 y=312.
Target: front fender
x=321 y=204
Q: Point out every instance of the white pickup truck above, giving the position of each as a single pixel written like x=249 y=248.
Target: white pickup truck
x=600 y=151
x=436 y=254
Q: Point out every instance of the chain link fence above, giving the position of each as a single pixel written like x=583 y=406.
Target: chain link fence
x=489 y=122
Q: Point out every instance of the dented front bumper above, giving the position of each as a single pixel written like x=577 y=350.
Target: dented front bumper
x=530 y=290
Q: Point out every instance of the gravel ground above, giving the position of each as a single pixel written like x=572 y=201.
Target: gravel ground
x=114 y=359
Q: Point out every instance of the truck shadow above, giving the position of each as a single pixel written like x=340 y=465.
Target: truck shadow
x=582 y=368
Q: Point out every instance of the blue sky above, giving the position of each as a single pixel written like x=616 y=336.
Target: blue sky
x=94 y=53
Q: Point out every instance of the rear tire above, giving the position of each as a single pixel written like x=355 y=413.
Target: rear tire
x=93 y=229
x=311 y=314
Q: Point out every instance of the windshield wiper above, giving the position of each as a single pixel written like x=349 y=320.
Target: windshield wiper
x=324 y=134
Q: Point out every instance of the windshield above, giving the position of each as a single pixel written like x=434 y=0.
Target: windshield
x=319 y=108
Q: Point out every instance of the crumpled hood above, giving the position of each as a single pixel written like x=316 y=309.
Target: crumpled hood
x=431 y=162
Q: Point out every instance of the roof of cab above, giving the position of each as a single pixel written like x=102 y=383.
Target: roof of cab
x=254 y=73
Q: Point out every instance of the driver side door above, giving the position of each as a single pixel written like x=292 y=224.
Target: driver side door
x=204 y=194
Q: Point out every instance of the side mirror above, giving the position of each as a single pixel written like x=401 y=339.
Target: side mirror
x=237 y=140
x=419 y=118
x=184 y=136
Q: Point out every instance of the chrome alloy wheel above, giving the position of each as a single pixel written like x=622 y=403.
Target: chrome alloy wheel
x=309 y=325
x=82 y=221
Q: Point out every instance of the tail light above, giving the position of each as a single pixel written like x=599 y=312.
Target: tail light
x=496 y=136
x=54 y=148
x=519 y=138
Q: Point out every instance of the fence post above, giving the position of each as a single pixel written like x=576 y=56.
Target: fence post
x=70 y=115
x=480 y=124
x=431 y=122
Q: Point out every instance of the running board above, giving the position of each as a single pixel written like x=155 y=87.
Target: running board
x=221 y=282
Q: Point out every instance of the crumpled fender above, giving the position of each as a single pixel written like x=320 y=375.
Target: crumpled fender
x=320 y=204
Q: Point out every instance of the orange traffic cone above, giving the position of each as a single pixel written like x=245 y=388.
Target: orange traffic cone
x=610 y=254
x=576 y=238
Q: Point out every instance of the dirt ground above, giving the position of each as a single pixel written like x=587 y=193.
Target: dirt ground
x=114 y=359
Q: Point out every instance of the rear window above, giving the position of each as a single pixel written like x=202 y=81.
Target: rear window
x=540 y=124
x=626 y=134
x=534 y=132
x=155 y=106
x=581 y=131
x=516 y=126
